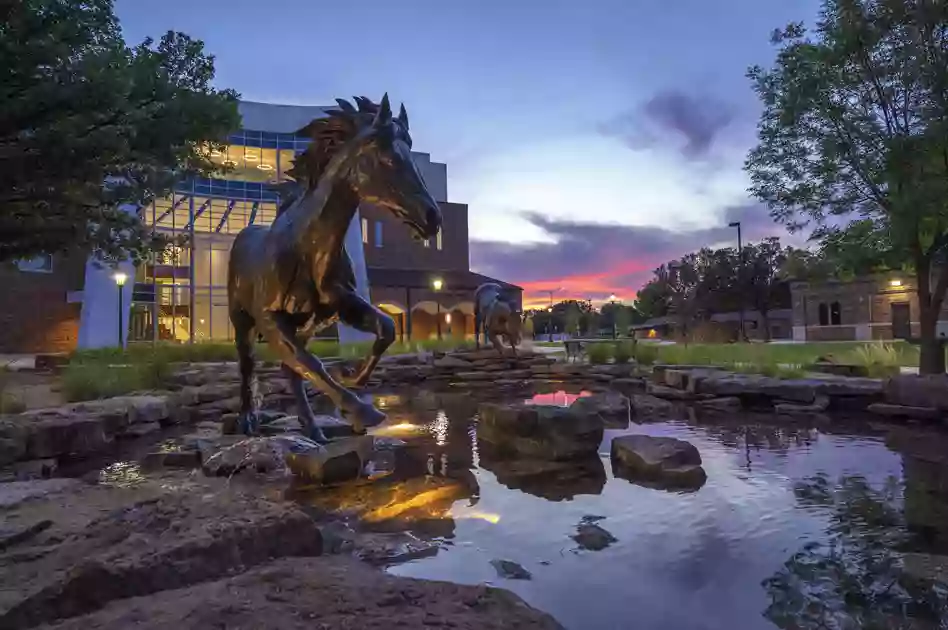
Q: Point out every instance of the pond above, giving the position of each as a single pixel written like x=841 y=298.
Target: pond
x=795 y=527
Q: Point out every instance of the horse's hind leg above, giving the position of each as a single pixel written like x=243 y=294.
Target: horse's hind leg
x=306 y=416
x=243 y=337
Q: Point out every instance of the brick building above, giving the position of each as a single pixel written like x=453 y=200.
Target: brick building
x=181 y=294
x=877 y=307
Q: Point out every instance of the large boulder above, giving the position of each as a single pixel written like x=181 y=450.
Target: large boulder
x=614 y=408
x=541 y=431
x=13 y=441
x=918 y=391
x=757 y=386
x=658 y=461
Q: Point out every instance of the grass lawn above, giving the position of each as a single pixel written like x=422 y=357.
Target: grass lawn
x=106 y=372
x=904 y=354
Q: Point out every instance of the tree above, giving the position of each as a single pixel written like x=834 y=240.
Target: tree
x=760 y=280
x=855 y=129
x=652 y=300
x=88 y=125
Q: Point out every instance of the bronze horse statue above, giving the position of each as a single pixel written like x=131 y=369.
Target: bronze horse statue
x=496 y=318
x=293 y=278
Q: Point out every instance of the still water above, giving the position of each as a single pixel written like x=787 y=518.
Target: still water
x=795 y=527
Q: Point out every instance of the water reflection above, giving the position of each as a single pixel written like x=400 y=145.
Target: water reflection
x=797 y=525
x=856 y=576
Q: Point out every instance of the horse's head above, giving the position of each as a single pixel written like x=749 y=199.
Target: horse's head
x=371 y=148
x=386 y=176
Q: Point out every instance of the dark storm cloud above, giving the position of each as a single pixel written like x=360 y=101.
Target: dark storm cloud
x=695 y=119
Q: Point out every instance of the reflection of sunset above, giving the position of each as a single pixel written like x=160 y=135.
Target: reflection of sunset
x=561 y=398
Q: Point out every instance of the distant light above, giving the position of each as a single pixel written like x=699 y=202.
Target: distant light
x=895 y=283
x=447 y=318
x=613 y=298
x=120 y=278
x=549 y=309
x=201 y=320
x=436 y=284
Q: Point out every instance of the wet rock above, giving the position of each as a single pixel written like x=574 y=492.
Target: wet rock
x=510 y=570
x=541 y=431
x=614 y=408
x=818 y=406
x=170 y=542
x=15 y=492
x=337 y=461
x=450 y=362
x=668 y=393
x=171 y=459
x=331 y=592
x=263 y=455
x=917 y=391
x=646 y=405
x=727 y=404
x=726 y=384
x=15 y=534
x=392 y=548
x=592 y=537
x=139 y=430
x=57 y=434
x=629 y=385
x=665 y=461
x=13 y=441
x=34 y=469
x=904 y=411
x=926 y=567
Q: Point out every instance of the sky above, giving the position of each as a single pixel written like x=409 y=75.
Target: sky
x=592 y=141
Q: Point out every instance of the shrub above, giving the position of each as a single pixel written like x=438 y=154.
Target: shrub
x=9 y=402
x=91 y=379
x=623 y=351
x=879 y=359
x=645 y=353
x=599 y=353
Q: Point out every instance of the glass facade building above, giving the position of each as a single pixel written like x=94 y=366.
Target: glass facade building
x=181 y=293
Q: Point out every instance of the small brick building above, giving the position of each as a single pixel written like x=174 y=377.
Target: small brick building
x=38 y=313
x=877 y=307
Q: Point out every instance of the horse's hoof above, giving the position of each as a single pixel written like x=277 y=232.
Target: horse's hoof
x=249 y=423
x=363 y=415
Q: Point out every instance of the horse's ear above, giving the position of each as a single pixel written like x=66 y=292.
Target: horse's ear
x=384 y=115
x=346 y=106
x=403 y=116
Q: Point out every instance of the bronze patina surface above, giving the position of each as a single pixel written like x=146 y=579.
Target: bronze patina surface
x=495 y=317
x=290 y=279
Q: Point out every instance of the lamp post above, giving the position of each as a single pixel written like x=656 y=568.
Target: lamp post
x=612 y=300
x=436 y=284
x=549 y=319
x=120 y=279
x=740 y=275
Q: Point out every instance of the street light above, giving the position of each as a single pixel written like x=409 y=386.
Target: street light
x=740 y=275
x=436 y=284
x=120 y=279
x=549 y=319
x=612 y=300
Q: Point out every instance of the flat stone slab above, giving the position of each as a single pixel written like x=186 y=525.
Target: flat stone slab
x=905 y=411
x=664 y=461
x=911 y=390
x=614 y=408
x=541 y=431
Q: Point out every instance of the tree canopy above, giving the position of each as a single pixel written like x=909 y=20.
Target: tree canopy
x=853 y=139
x=89 y=125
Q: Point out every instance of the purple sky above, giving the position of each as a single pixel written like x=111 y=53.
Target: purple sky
x=592 y=140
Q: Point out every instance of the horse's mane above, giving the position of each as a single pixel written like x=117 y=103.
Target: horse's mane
x=327 y=135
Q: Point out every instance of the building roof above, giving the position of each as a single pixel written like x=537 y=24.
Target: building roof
x=732 y=316
x=456 y=279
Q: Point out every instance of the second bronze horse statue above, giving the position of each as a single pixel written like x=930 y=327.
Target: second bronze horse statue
x=289 y=280
x=496 y=318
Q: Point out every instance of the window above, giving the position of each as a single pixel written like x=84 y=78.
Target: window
x=426 y=242
x=38 y=264
x=365 y=231
x=824 y=314
x=378 y=233
x=438 y=239
x=835 y=314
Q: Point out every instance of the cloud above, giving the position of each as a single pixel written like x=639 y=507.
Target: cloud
x=698 y=120
x=584 y=260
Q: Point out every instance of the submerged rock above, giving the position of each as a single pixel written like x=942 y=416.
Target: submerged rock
x=662 y=461
x=541 y=431
x=548 y=479
x=510 y=570
x=591 y=537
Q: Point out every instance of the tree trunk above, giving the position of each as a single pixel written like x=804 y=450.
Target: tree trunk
x=765 y=322
x=931 y=349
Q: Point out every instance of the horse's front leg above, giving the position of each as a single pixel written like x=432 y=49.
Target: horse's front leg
x=495 y=341
x=364 y=317
x=281 y=336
